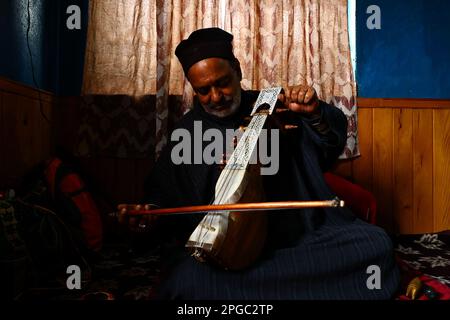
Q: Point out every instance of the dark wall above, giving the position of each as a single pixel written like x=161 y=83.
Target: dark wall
x=409 y=57
x=58 y=53
x=15 y=60
x=71 y=49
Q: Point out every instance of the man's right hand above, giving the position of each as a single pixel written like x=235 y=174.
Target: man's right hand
x=136 y=223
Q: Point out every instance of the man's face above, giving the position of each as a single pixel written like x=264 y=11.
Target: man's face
x=217 y=85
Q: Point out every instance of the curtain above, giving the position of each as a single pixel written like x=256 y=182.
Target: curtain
x=297 y=42
x=130 y=53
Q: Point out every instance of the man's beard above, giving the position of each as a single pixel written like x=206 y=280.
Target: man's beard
x=227 y=107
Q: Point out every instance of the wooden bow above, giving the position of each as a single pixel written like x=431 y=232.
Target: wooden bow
x=254 y=206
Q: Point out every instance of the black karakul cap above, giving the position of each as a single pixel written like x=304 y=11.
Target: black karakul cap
x=203 y=44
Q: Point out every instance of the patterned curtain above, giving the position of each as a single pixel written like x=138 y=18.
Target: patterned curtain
x=130 y=51
x=297 y=42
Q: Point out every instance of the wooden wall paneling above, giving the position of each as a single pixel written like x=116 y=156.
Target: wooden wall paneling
x=423 y=170
x=403 y=171
x=390 y=103
x=44 y=139
x=11 y=153
x=41 y=138
x=2 y=140
x=441 y=175
x=363 y=165
x=27 y=132
x=25 y=140
x=48 y=129
x=382 y=166
x=34 y=135
x=21 y=132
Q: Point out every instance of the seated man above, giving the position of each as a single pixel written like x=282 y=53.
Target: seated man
x=313 y=253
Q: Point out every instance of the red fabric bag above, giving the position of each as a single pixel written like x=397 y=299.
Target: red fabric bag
x=74 y=202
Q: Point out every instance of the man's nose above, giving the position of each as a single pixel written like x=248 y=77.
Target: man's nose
x=216 y=95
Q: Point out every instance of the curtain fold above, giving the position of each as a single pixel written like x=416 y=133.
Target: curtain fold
x=130 y=51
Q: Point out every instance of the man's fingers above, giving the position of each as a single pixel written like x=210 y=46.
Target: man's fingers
x=281 y=110
x=288 y=93
x=287 y=96
x=302 y=95
x=310 y=94
x=281 y=98
x=290 y=127
x=297 y=95
x=294 y=94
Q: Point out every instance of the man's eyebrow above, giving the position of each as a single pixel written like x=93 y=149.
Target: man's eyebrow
x=225 y=76
x=222 y=78
x=202 y=90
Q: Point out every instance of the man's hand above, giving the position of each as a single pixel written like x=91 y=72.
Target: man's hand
x=293 y=101
x=300 y=99
x=136 y=223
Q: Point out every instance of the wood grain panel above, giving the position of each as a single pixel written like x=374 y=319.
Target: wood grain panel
x=9 y=86
x=2 y=140
x=47 y=130
x=11 y=171
x=441 y=181
x=363 y=165
x=26 y=137
x=33 y=135
x=423 y=170
x=403 y=171
x=30 y=137
x=383 y=166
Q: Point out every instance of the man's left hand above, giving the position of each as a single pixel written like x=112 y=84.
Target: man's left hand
x=300 y=99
